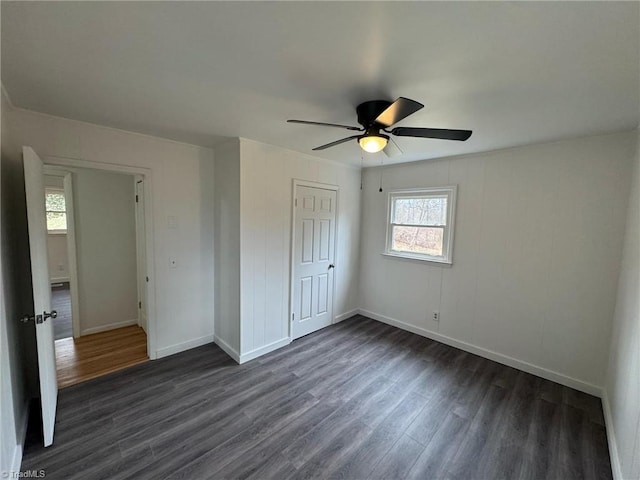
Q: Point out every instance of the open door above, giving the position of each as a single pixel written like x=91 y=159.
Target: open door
x=34 y=188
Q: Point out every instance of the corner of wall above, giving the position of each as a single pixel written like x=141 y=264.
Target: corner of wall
x=621 y=393
x=611 y=437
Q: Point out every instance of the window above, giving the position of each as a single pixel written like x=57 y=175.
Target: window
x=56 y=211
x=421 y=224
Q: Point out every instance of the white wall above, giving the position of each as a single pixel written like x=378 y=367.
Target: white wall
x=536 y=255
x=58 y=257
x=181 y=181
x=622 y=389
x=17 y=373
x=105 y=230
x=227 y=246
x=266 y=178
x=254 y=187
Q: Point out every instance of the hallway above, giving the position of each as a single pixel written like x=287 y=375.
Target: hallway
x=91 y=356
x=61 y=303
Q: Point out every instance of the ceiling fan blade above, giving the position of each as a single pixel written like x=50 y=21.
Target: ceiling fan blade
x=392 y=149
x=441 y=133
x=337 y=142
x=306 y=122
x=398 y=110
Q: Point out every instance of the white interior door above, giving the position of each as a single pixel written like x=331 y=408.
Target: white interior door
x=34 y=188
x=313 y=257
x=141 y=254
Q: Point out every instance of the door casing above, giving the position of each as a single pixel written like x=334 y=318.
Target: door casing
x=146 y=174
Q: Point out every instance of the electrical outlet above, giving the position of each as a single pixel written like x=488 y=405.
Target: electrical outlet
x=436 y=316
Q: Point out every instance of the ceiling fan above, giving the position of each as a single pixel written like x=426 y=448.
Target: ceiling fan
x=376 y=116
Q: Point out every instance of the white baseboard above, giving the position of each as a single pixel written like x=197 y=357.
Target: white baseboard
x=491 y=355
x=228 y=349
x=16 y=461
x=111 y=326
x=611 y=437
x=258 y=352
x=182 y=346
x=345 y=315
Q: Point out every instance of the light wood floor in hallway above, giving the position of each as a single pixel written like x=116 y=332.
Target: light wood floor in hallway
x=91 y=356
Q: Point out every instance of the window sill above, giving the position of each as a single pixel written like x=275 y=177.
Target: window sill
x=435 y=261
x=56 y=232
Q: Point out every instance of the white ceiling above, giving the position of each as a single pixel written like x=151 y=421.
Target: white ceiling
x=515 y=73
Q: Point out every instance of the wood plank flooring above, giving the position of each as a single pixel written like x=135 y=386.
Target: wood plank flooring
x=356 y=400
x=91 y=356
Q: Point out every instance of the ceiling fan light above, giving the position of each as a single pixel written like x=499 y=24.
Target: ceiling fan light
x=373 y=143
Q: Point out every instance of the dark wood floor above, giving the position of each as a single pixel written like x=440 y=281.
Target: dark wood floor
x=356 y=400
x=61 y=303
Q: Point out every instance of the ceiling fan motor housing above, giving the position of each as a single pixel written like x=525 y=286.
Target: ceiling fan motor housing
x=368 y=112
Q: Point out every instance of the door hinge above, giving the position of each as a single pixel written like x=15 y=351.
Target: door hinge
x=147 y=279
x=293 y=317
x=296 y=202
x=136 y=198
x=139 y=304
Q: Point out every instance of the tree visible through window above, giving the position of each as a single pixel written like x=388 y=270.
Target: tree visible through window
x=420 y=224
x=56 y=211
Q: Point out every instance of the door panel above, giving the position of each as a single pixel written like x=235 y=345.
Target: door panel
x=314 y=239
x=323 y=293
x=36 y=219
x=306 y=287
x=325 y=234
x=307 y=241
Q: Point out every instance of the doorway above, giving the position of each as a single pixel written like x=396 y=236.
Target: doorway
x=58 y=255
x=313 y=256
x=97 y=266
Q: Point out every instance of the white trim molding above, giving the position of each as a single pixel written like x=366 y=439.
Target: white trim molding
x=451 y=193
x=616 y=468
x=258 y=352
x=345 y=315
x=54 y=280
x=110 y=326
x=489 y=354
x=228 y=349
x=16 y=461
x=183 y=346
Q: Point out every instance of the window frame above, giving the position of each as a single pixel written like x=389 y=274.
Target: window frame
x=57 y=190
x=450 y=192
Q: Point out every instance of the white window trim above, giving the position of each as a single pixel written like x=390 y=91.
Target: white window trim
x=59 y=231
x=451 y=192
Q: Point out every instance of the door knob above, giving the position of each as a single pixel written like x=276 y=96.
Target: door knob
x=39 y=318
x=331 y=266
